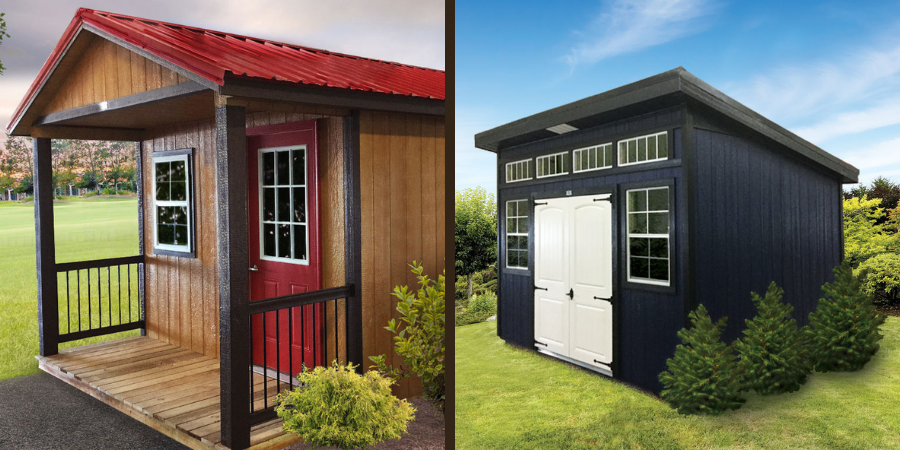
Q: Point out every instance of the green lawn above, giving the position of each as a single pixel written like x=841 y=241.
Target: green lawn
x=86 y=229
x=511 y=398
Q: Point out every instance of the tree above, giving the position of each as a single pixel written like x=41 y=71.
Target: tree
x=880 y=277
x=772 y=354
x=120 y=161
x=475 y=233
x=3 y=34
x=881 y=187
x=863 y=238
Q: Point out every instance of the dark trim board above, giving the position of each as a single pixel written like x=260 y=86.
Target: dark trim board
x=139 y=180
x=47 y=284
x=353 y=239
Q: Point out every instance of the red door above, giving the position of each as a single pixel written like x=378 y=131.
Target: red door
x=284 y=243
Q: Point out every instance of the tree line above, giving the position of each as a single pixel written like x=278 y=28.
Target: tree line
x=91 y=165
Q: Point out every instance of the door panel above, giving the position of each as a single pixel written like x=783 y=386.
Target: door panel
x=551 y=303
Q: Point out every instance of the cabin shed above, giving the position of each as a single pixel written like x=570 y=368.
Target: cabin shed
x=621 y=212
x=282 y=192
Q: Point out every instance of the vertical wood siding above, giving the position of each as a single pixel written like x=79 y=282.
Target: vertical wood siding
x=402 y=190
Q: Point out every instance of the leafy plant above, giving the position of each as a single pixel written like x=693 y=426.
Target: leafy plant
x=703 y=376
x=419 y=336
x=475 y=233
x=772 y=355
x=843 y=330
x=880 y=277
x=863 y=238
x=478 y=309
x=337 y=406
x=2 y=34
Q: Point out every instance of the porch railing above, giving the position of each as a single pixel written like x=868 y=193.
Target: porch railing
x=100 y=297
x=289 y=332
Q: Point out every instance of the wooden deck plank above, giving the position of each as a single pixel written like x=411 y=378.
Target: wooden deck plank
x=130 y=370
x=95 y=361
x=171 y=367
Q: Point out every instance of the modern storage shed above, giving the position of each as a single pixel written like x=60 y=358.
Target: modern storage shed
x=621 y=212
x=300 y=179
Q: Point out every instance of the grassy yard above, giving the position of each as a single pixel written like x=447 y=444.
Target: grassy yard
x=86 y=229
x=511 y=398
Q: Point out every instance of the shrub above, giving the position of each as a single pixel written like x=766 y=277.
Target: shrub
x=880 y=277
x=863 y=237
x=772 y=355
x=478 y=309
x=703 y=376
x=420 y=341
x=336 y=406
x=843 y=330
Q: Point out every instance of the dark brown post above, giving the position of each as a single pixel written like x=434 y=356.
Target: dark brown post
x=48 y=308
x=139 y=182
x=352 y=238
x=234 y=277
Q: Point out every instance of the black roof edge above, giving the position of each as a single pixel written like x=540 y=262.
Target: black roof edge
x=665 y=83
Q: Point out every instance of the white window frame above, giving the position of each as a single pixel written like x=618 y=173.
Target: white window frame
x=629 y=235
x=522 y=166
x=646 y=136
x=601 y=154
x=506 y=246
x=537 y=164
x=186 y=156
x=305 y=186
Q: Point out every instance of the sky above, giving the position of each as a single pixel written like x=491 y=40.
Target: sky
x=406 y=31
x=827 y=71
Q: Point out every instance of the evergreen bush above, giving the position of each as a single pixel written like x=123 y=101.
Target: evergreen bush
x=843 y=330
x=880 y=277
x=703 y=376
x=772 y=354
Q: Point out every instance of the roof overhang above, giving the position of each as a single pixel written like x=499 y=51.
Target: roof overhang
x=659 y=91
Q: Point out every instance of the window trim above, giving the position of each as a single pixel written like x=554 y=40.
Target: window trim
x=506 y=235
x=184 y=251
x=600 y=151
x=675 y=252
x=635 y=138
x=305 y=186
x=527 y=167
x=566 y=171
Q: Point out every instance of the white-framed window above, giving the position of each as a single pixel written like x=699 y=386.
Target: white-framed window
x=552 y=165
x=648 y=236
x=173 y=221
x=283 y=200
x=518 y=171
x=592 y=158
x=517 y=234
x=643 y=149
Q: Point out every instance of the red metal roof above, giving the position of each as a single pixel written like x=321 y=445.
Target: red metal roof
x=214 y=54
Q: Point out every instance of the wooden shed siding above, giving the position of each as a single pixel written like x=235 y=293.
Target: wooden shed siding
x=402 y=191
x=761 y=217
x=106 y=71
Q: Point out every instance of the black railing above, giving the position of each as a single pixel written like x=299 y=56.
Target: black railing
x=287 y=333
x=100 y=297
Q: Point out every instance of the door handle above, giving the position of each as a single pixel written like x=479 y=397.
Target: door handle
x=571 y=294
x=254 y=268
x=604 y=299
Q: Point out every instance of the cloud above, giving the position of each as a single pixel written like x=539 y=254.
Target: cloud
x=883 y=114
x=881 y=155
x=631 y=25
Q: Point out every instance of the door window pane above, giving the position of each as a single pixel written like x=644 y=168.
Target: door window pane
x=284 y=212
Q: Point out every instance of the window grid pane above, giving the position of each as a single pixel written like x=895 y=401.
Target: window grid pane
x=283 y=218
x=592 y=158
x=517 y=234
x=552 y=165
x=643 y=149
x=648 y=235
x=172 y=203
x=518 y=171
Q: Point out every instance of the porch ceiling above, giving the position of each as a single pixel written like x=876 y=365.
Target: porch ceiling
x=143 y=116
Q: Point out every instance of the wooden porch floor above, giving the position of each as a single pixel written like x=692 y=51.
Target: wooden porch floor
x=172 y=390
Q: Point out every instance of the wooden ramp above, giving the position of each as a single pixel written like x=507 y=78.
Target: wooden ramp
x=172 y=390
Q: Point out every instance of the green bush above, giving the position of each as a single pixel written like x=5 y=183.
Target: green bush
x=420 y=341
x=772 y=355
x=843 y=330
x=880 y=276
x=478 y=309
x=703 y=376
x=336 y=406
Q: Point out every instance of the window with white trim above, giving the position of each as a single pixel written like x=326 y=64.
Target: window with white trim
x=648 y=236
x=592 y=158
x=518 y=171
x=517 y=234
x=173 y=219
x=283 y=204
x=643 y=149
x=552 y=165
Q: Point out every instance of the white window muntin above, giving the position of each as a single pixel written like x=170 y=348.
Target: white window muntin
x=304 y=223
x=647 y=235
x=595 y=158
x=517 y=229
x=186 y=203
x=552 y=165
x=518 y=171
x=623 y=149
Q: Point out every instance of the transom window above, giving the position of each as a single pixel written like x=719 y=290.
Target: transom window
x=552 y=165
x=283 y=201
x=648 y=236
x=517 y=234
x=653 y=147
x=173 y=215
x=518 y=171
x=592 y=158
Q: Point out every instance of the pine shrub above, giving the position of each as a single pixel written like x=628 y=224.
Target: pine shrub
x=843 y=330
x=703 y=376
x=337 y=406
x=772 y=354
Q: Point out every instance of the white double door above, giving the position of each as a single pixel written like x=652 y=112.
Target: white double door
x=573 y=311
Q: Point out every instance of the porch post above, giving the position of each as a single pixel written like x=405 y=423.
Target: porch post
x=234 y=277
x=48 y=309
x=353 y=240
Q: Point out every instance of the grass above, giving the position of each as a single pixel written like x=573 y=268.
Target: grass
x=94 y=228
x=508 y=397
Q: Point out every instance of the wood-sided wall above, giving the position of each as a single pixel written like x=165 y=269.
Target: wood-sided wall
x=402 y=199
